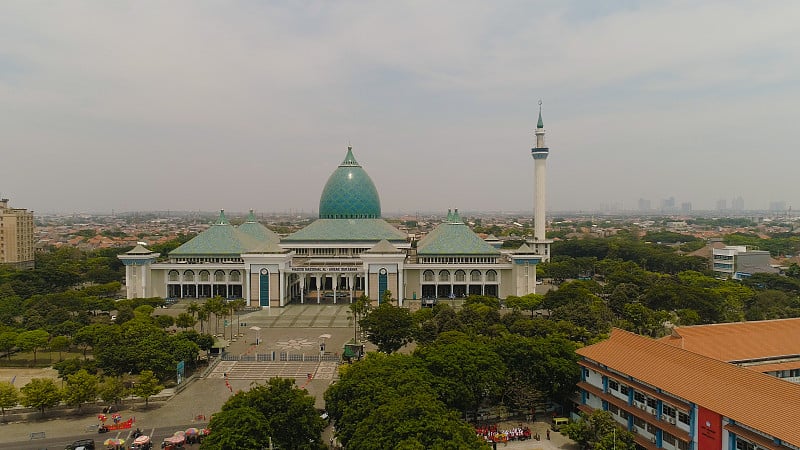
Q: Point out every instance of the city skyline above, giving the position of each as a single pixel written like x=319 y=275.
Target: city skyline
x=203 y=106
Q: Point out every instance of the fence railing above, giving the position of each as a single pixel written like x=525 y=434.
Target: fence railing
x=282 y=357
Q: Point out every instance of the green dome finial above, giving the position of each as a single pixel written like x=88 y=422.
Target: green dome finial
x=540 y=123
x=222 y=220
x=251 y=218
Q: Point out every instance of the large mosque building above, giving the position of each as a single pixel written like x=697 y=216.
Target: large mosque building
x=347 y=252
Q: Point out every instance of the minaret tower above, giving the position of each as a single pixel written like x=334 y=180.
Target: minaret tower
x=540 y=244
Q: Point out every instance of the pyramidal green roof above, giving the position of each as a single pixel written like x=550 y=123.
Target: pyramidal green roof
x=344 y=230
x=221 y=239
x=349 y=193
x=269 y=247
x=139 y=250
x=383 y=246
x=524 y=249
x=454 y=237
x=255 y=229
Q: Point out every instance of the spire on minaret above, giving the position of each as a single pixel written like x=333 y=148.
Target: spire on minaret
x=540 y=123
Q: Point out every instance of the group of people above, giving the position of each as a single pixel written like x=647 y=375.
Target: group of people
x=492 y=434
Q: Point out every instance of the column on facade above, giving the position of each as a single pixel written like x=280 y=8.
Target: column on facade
x=400 y=286
x=350 y=286
x=302 y=288
x=282 y=287
x=319 y=278
x=247 y=284
x=334 y=285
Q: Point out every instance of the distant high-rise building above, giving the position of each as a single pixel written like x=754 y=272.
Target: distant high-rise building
x=777 y=206
x=686 y=207
x=16 y=236
x=722 y=204
x=644 y=204
x=737 y=204
x=668 y=204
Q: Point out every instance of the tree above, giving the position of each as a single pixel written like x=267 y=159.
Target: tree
x=165 y=321
x=185 y=320
x=416 y=421
x=529 y=302
x=9 y=396
x=33 y=341
x=599 y=431
x=89 y=336
x=243 y=428
x=146 y=386
x=81 y=388
x=8 y=340
x=59 y=344
x=236 y=305
x=112 y=389
x=41 y=393
x=373 y=381
x=276 y=410
x=389 y=327
x=359 y=308
x=466 y=371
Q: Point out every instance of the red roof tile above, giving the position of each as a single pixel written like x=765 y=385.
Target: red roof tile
x=750 y=398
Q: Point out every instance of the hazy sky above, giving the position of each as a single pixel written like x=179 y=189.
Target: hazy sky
x=187 y=105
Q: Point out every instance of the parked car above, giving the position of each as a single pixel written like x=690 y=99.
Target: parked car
x=83 y=444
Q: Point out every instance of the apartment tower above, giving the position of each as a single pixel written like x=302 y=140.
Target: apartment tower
x=16 y=236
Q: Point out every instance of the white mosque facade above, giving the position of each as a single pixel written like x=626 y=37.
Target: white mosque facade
x=347 y=252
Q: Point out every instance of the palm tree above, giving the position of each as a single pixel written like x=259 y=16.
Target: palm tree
x=193 y=309
x=216 y=305
x=236 y=305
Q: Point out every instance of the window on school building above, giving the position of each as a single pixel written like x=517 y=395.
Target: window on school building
x=651 y=402
x=744 y=445
x=613 y=385
x=623 y=389
x=668 y=438
x=638 y=422
x=683 y=418
x=683 y=445
x=667 y=410
x=639 y=397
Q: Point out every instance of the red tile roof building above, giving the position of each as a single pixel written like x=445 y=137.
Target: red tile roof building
x=679 y=398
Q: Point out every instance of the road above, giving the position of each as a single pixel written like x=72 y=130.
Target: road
x=58 y=443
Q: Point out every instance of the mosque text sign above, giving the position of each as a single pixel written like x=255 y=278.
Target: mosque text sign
x=325 y=269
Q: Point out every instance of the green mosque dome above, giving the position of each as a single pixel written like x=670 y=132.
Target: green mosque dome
x=349 y=193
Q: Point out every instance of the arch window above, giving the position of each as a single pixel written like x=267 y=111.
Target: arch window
x=444 y=275
x=173 y=275
x=428 y=276
x=235 y=276
x=460 y=276
x=204 y=275
x=475 y=276
x=188 y=275
x=491 y=275
x=219 y=276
